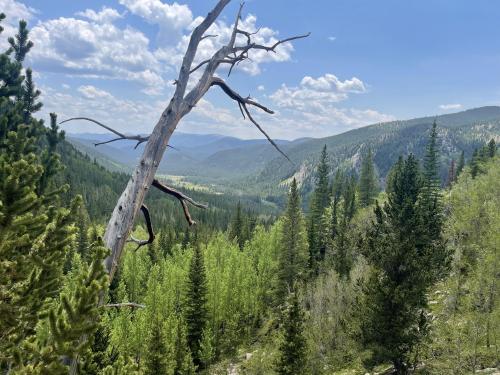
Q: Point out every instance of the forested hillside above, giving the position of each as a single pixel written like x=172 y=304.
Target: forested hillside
x=373 y=252
x=252 y=166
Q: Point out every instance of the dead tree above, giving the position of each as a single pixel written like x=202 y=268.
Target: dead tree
x=182 y=102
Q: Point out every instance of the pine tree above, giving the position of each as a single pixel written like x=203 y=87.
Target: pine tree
x=406 y=262
x=460 y=165
x=237 y=229
x=166 y=242
x=342 y=210
x=43 y=312
x=30 y=96
x=292 y=351
x=474 y=163
x=492 y=148
x=20 y=44
x=431 y=199
x=183 y=361
x=82 y=239
x=319 y=202
x=155 y=360
x=196 y=313
x=367 y=180
x=293 y=250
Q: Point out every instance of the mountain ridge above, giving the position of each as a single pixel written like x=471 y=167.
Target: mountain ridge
x=254 y=165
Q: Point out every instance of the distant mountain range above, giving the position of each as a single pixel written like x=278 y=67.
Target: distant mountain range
x=254 y=166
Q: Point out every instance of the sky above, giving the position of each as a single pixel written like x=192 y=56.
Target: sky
x=365 y=61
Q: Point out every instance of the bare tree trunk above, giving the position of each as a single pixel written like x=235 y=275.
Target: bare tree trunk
x=128 y=205
x=130 y=202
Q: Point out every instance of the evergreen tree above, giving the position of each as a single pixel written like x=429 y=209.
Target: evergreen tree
x=293 y=246
x=43 y=313
x=460 y=165
x=183 y=361
x=367 y=180
x=319 y=202
x=237 y=229
x=492 y=148
x=82 y=239
x=30 y=96
x=165 y=242
x=431 y=199
x=292 y=351
x=406 y=262
x=20 y=44
x=156 y=358
x=196 y=313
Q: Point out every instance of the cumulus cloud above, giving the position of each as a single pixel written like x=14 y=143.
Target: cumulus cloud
x=332 y=38
x=311 y=108
x=172 y=19
x=96 y=48
x=449 y=107
x=317 y=92
x=14 y=12
x=106 y=15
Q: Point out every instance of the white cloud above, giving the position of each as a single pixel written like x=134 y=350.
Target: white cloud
x=91 y=92
x=449 y=107
x=332 y=38
x=261 y=88
x=106 y=15
x=317 y=92
x=172 y=19
x=96 y=48
x=14 y=12
x=311 y=108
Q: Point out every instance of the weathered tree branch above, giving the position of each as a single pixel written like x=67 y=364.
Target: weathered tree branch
x=182 y=199
x=149 y=227
x=130 y=202
x=242 y=103
x=139 y=138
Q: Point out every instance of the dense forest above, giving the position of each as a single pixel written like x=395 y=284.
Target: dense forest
x=400 y=278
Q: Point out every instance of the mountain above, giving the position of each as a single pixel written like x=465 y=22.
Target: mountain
x=253 y=166
x=457 y=131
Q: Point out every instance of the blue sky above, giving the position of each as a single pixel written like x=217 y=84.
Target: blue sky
x=366 y=61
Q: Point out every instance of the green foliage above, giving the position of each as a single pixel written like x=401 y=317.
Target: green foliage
x=30 y=96
x=292 y=359
x=196 y=313
x=467 y=303
x=406 y=262
x=156 y=356
x=236 y=232
x=367 y=180
x=44 y=314
x=293 y=249
x=20 y=44
x=319 y=202
x=332 y=327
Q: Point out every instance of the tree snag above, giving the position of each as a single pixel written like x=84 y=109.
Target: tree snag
x=131 y=201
